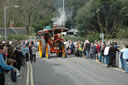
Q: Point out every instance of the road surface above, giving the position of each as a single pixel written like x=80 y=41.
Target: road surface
x=74 y=71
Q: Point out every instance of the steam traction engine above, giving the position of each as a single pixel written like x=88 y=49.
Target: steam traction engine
x=51 y=41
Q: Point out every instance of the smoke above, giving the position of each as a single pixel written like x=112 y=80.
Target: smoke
x=63 y=13
x=61 y=18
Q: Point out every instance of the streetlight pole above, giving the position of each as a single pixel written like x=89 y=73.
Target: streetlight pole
x=5 y=20
x=5 y=35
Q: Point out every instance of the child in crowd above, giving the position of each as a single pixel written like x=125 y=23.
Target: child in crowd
x=10 y=76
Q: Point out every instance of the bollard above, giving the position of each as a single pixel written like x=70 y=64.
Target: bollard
x=118 y=61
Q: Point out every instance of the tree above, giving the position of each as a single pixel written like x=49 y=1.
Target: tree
x=41 y=24
x=100 y=16
x=29 y=11
x=35 y=10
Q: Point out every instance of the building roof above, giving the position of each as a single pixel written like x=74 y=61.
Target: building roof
x=73 y=30
x=16 y=30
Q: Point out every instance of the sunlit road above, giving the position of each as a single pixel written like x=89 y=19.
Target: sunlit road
x=75 y=71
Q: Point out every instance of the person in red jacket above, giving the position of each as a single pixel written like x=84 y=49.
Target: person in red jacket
x=98 y=50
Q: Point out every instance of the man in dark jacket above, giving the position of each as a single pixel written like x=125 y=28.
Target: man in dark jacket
x=93 y=51
x=87 y=49
x=19 y=57
x=112 y=55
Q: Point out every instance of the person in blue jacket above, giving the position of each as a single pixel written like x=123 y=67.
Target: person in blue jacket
x=125 y=57
x=3 y=66
x=25 y=52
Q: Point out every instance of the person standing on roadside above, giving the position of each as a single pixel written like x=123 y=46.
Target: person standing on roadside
x=112 y=55
x=24 y=51
x=93 y=51
x=106 y=52
x=19 y=56
x=5 y=52
x=87 y=48
x=125 y=57
x=102 y=52
x=34 y=49
x=98 y=47
x=30 y=49
x=3 y=66
x=79 y=49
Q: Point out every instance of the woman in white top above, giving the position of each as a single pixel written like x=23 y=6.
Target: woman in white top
x=106 y=52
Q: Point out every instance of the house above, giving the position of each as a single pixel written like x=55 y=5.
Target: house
x=16 y=30
x=72 y=32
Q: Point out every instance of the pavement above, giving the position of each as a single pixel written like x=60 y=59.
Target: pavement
x=21 y=79
x=71 y=71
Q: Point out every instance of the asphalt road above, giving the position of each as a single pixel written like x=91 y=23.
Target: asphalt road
x=75 y=71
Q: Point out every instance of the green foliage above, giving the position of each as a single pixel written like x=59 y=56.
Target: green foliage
x=67 y=37
x=28 y=12
x=107 y=36
x=92 y=36
x=17 y=37
x=84 y=15
x=39 y=25
x=123 y=33
x=87 y=15
x=102 y=16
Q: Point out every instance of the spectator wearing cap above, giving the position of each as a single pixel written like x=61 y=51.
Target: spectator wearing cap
x=3 y=66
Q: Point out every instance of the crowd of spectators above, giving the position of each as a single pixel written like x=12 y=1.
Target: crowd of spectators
x=104 y=52
x=13 y=55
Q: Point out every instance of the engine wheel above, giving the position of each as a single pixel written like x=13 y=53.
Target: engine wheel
x=64 y=51
x=48 y=51
x=42 y=48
